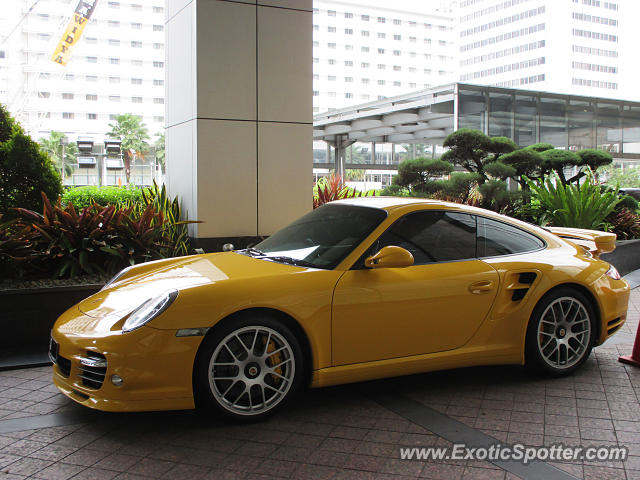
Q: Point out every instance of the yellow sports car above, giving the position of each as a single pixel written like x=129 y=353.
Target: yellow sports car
x=354 y=290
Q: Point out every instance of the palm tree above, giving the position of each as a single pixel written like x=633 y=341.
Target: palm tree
x=52 y=146
x=160 y=150
x=133 y=134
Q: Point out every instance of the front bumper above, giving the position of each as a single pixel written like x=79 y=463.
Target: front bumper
x=156 y=366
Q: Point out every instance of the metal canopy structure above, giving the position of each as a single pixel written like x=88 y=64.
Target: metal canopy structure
x=428 y=116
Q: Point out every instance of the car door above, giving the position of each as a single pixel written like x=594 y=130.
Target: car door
x=435 y=305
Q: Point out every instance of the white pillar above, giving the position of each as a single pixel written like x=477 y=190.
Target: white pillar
x=239 y=114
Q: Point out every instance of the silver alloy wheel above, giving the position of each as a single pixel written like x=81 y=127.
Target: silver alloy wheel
x=251 y=370
x=564 y=332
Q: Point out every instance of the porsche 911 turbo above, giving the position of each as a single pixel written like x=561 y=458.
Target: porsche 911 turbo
x=355 y=290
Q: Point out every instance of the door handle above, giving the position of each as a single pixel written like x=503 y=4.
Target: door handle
x=478 y=288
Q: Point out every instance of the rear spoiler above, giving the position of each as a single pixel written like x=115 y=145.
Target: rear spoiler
x=593 y=240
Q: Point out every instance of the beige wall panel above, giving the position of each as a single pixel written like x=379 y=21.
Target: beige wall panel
x=181 y=167
x=180 y=74
x=284 y=174
x=284 y=65
x=226 y=178
x=297 y=4
x=226 y=60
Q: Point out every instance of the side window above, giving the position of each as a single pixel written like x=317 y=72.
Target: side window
x=433 y=236
x=497 y=238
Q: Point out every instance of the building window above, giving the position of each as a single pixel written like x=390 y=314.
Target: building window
x=114 y=61
x=158 y=46
x=158 y=119
x=331 y=78
x=91 y=78
x=348 y=15
x=397 y=37
x=381 y=51
x=365 y=33
x=137 y=63
x=397 y=68
x=348 y=31
x=348 y=79
x=331 y=13
x=316 y=93
x=91 y=97
x=365 y=81
x=114 y=98
x=316 y=43
x=397 y=21
x=382 y=66
x=382 y=20
x=382 y=35
x=114 y=4
x=135 y=7
x=67 y=115
x=316 y=60
x=348 y=63
x=44 y=94
x=364 y=18
x=69 y=76
x=158 y=82
x=316 y=28
x=158 y=28
x=316 y=76
x=331 y=45
x=67 y=96
x=135 y=44
x=397 y=84
x=331 y=29
x=158 y=9
x=44 y=36
x=348 y=95
x=397 y=53
x=114 y=79
x=114 y=42
x=136 y=26
x=381 y=82
x=348 y=47
x=114 y=23
x=92 y=59
x=136 y=99
x=92 y=116
x=442 y=43
x=332 y=61
x=158 y=64
x=365 y=65
x=112 y=116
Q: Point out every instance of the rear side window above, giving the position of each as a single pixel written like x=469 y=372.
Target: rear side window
x=433 y=236
x=497 y=238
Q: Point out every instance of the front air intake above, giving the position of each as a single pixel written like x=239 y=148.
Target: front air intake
x=93 y=368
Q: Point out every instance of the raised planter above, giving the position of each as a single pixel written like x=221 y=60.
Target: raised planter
x=28 y=315
x=626 y=256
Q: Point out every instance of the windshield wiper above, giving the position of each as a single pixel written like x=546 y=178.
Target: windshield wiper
x=291 y=260
x=252 y=251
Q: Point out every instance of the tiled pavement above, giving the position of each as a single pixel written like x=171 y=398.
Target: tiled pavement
x=335 y=433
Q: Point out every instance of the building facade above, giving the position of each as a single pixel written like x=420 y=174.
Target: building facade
x=570 y=46
x=117 y=66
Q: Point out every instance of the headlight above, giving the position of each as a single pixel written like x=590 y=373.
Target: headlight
x=149 y=310
x=613 y=273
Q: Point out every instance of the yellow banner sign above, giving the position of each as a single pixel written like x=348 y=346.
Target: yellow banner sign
x=74 y=30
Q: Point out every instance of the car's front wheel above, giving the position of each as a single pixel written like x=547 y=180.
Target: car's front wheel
x=561 y=332
x=249 y=368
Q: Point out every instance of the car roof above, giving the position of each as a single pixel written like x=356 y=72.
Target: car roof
x=392 y=203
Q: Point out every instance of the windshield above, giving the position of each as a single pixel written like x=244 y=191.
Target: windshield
x=324 y=237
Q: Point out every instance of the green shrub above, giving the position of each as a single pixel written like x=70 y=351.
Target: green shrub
x=24 y=170
x=82 y=197
x=578 y=206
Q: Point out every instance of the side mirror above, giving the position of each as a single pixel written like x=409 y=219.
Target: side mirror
x=390 y=257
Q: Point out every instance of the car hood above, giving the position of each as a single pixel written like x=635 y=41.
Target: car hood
x=147 y=281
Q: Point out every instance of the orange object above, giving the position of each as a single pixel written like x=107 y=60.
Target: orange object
x=634 y=358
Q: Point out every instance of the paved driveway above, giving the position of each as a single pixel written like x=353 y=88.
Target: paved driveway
x=351 y=432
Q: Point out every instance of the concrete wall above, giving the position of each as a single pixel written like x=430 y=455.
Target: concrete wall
x=239 y=113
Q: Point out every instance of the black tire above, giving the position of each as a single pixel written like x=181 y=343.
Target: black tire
x=274 y=364
x=547 y=345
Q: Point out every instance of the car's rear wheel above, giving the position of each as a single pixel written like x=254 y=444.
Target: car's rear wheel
x=249 y=368
x=561 y=332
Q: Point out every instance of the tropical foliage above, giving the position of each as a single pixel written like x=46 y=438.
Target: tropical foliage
x=582 y=205
x=25 y=170
x=63 y=157
x=82 y=197
x=133 y=134
x=333 y=188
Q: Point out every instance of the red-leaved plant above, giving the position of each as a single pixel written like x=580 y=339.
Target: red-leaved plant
x=333 y=188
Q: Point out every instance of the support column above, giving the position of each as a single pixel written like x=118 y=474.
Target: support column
x=239 y=115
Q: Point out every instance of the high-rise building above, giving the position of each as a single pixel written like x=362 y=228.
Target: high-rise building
x=583 y=47
x=116 y=67
x=369 y=50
